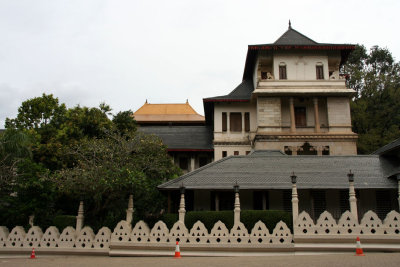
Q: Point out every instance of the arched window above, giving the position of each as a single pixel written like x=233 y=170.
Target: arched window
x=282 y=71
x=320 y=71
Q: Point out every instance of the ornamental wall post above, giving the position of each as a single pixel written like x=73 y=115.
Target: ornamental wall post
x=352 y=196
x=237 y=205
x=80 y=218
x=295 y=199
x=129 y=211
x=182 y=210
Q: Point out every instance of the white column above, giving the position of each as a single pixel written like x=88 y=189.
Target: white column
x=264 y=200
x=353 y=200
x=216 y=201
x=292 y=117
x=192 y=163
x=80 y=217
x=228 y=122
x=182 y=210
x=316 y=115
x=295 y=203
x=129 y=211
x=242 y=122
x=237 y=209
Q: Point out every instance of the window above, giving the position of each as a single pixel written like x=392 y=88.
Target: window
x=183 y=163
x=236 y=153
x=224 y=122
x=224 y=154
x=300 y=116
x=282 y=72
x=236 y=122
x=264 y=75
x=247 y=152
x=320 y=72
x=203 y=161
x=247 y=121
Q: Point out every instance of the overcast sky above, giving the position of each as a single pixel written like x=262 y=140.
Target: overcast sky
x=123 y=52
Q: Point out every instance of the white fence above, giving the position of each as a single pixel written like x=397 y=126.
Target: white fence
x=126 y=239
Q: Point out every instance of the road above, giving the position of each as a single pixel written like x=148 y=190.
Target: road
x=370 y=259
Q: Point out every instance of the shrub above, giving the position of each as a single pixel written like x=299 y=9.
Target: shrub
x=269 y=217
x=209 y=218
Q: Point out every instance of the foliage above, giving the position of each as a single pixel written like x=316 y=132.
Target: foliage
x=269 y=217
x=376 y=107
x=124 y=122
x=209 y=218
x=114 y=166
x=63 y=221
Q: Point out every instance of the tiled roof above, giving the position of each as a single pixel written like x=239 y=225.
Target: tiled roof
x=182 y=137
x=167 y=113
x=293 y=37
x=241 y=92
x=261 y=170
x=389 y=147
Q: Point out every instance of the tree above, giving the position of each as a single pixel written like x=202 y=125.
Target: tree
x=376 y=107
x=124 y=122
x=110 y=168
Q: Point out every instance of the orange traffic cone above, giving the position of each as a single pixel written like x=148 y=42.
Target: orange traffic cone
x=33 y=256
x=359 y=250
x=177 y=251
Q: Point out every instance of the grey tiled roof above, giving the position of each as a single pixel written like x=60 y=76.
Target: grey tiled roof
x=182 y=137
x=241 y=92
x=389 y=147
x=293 y=37
x=262 y=171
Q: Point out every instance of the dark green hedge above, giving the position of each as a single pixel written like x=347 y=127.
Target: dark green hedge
x=209 y=218
x=269 y=217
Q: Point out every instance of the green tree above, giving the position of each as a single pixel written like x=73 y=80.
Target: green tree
x=110 y=168
x=124 y=122
x=376 y=107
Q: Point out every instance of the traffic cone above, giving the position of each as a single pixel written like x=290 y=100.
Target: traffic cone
x=33 y=256
x=359 y=250
x=177 y=251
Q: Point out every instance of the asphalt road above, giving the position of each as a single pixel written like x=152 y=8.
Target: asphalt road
x=370 y=259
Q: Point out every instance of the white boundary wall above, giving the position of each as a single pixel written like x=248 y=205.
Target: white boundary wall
x=326 y=234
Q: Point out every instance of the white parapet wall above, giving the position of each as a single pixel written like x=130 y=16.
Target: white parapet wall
x=324 y=235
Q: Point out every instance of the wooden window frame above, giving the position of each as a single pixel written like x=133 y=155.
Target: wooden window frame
x=319 y=72
x=224 y=122
x=235 y=126
x=247 y=121
x=282 y=72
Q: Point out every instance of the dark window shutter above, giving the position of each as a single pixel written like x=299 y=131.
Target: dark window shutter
x=236 y=122
x=224 y=122
x=247 y=121
x=282 y=73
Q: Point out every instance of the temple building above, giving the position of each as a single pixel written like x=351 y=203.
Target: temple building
x=181 y=129
x=290 y=116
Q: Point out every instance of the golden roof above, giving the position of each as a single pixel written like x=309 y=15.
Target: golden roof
x=167 y=113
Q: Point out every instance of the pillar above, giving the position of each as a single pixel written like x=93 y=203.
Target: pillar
x=242 y=122
x=294 y=150
x=316 y=115
x=228 y=122
x=352 y=196
x=80 y=217
x=292 y=118
x=295 y=199
x=192 y=163
x=129 y=211
x=264 y=200
x=216 y=201
x=236 y=210
x=182 y=210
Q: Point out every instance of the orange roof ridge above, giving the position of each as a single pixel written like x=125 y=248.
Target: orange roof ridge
x=169 y=108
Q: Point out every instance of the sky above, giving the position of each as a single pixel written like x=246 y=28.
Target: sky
x=123 y=52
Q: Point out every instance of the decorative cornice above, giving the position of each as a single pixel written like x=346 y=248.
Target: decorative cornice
x=228 y=143
x=302 y=137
